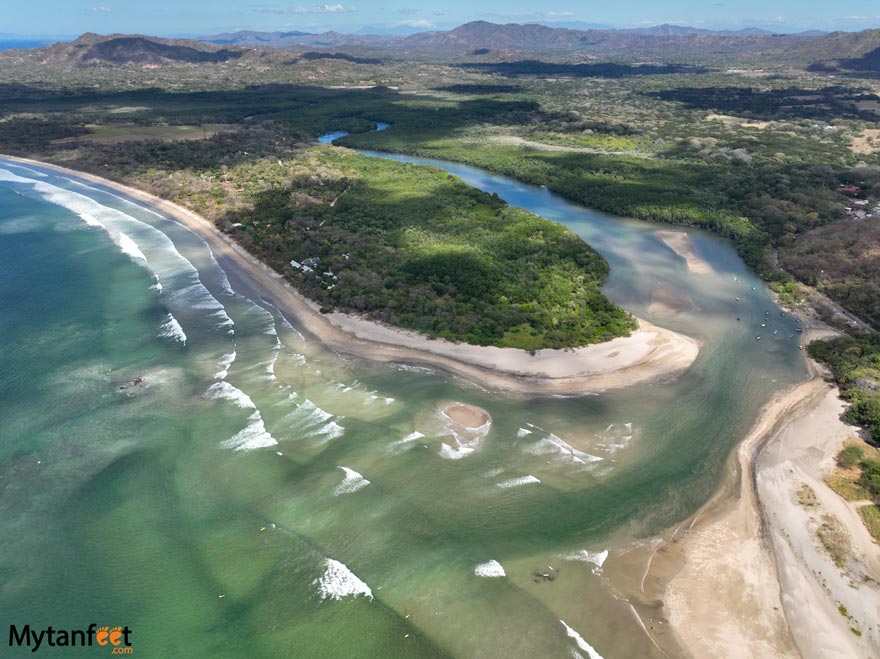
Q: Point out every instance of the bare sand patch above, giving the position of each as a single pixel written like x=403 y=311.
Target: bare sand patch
x=469 y=416
x=750 y=576
x=866 y=142
x=730 y=120
x=680 y=243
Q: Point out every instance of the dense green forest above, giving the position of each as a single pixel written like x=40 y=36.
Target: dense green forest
x=417 y=248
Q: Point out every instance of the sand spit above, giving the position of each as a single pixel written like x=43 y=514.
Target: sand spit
x=680 y=243
x=748 y=577
x=650 y=354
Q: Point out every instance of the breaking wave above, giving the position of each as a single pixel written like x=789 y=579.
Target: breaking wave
x=337 y=581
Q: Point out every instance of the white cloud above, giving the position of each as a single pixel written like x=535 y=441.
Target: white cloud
x=318 y=9
x=101 y=10
x=559 y=14
x=420 y=22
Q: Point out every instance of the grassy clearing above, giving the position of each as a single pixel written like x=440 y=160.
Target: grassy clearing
x=806 y=496
x=871 y=517
x=848 y=472
x=835 y=540
x=114 y=133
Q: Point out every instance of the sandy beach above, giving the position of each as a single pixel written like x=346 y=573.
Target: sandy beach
x=748 y=576
x=650 y=354
x=680 y=243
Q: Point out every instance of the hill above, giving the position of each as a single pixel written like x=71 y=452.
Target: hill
x=837 y=52
x=92 y=49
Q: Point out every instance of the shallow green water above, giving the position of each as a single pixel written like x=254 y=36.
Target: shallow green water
x=218 y=476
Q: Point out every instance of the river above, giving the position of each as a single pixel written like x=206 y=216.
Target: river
x=179 y=459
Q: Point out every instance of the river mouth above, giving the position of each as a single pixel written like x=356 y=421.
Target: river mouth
x=328 y=500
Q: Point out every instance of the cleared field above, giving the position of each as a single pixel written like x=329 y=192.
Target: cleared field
x=164 y=133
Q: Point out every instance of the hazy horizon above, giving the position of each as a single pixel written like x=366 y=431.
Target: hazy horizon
x=63 y=19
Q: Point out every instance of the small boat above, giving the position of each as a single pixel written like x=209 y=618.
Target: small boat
x=799 y=330
x=754 y=288
x=776 y=331
x=757 y=338
x=800 y=347
x=763 y=324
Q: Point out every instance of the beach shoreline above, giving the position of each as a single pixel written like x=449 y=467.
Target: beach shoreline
x=742 y=578
x=650 y=354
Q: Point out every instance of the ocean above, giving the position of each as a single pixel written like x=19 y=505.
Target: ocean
x=177 y=458
x=9 y=44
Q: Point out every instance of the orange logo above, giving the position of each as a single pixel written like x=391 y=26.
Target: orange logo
x=111 y=636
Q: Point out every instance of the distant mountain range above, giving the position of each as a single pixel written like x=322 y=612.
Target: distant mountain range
x=479 y=35
x=855 y=53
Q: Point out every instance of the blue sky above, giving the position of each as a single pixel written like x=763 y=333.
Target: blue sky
x=179 y=17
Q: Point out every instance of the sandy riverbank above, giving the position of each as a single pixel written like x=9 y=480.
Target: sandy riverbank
x=680 y=243
x=651 y=353
x=749 y=577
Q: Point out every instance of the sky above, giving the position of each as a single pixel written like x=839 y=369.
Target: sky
x=203 y=17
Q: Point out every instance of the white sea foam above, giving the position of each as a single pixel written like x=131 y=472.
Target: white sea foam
x=224 y=390
x=464 y=445
x=225 y=362
x=523 y=480
x=581 y=643
x=31 y=171
x=329 y=432
x=129 y=247
x=455 y=452
x=314 y=414
x=156 y=287
x=171 y=329
x=144 y=243
x=8 y=176
x=337 y=581
x=413 y=436
x=196 y=296
x=554 y=444
x=252 y=436
x=224 y=280
x=585 y=556
x=523 y=432
x=352 y=482
x=489 y=569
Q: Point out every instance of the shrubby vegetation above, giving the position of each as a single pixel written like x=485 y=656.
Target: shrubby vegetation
x=855 y=363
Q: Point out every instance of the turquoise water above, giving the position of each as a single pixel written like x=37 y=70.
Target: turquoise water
x=163 y=447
